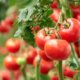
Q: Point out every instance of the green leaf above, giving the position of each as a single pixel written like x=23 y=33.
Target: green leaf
x=44 y=77
x=28 y=36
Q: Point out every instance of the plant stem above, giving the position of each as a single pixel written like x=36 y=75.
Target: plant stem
x=74 y=54
x=38 y=70
x=60 y=71
x=24 y=72
x=12 y=75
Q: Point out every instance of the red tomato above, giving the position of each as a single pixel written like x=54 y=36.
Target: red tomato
x=32 y=53
x=5 y=76
x=68 y=72
x=9 y=22
x=77 y=17
x=43 y=55
x=77 y=50
x=55 y=15
x=13 y=45
x=75 y=10
x=54 y=4
x=45 y=66
x=71 y=32
x=11 y=63
x=57 y=49
x=4 y=28
x=54 y=78
x=42 y=36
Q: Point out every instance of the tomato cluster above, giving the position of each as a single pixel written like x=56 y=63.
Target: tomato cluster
x=53 y=45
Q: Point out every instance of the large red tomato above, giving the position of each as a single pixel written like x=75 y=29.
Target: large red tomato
x=13 y=45
x=45 y=66
x=70 y=32
x=32 y=53
x=10 y=63
x=43 y=55
x=55 y=15
x=57 y=49
x=44 y=35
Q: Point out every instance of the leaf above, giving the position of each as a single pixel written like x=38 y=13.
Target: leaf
x=28 y=36
x=26 y=13
x=44 y=77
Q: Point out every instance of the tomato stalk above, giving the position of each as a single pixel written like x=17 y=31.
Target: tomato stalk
x=74 y=54
x=38 y=70
x=60 y=71
x=12 y=75
x=24 y=72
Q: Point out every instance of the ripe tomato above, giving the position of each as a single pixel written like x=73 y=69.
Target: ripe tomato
x=32 y=53
x=4 y=28
x=77 y=50
x=45 y=66
x=54 y=4
x=68 y=72
x=10 y=63
x=77 y=17
x=5 y=75
x=54 y=78
x=57 y=49
x=71 y=32
x=13 y=45
x=44 y=35
x=43 y=55
x=75 y=10
x=55 y=15
x=9 y=22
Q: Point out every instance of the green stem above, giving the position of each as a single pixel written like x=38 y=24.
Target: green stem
x=38 y=70
x=12 y=75
x=24 y=72
x=74 y=54
x=60 y=71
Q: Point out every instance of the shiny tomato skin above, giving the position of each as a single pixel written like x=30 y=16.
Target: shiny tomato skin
x=55 y=15
x=10 y=63
x=57 y=49
x=45 y=66
x=32 y=53
x=72 y=33
x=43 y=55
x=13 y=45
x=42 y=37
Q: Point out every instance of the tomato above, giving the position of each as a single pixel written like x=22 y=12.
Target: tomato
x=75 y=10
x=77 y=50
x=43 y=36
x=36 y=28
x=4 y=28
x=13 y=45
x=54 y=4
x=43 y=55
x=68 y=72
x=5 y=75
x=71 y=31
x=54 y=78
x=57 y=49
x=9 y=22
x=55 y=15
x=77 y=17
x=45 y=66
x=10 y=63
x=32 y=53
